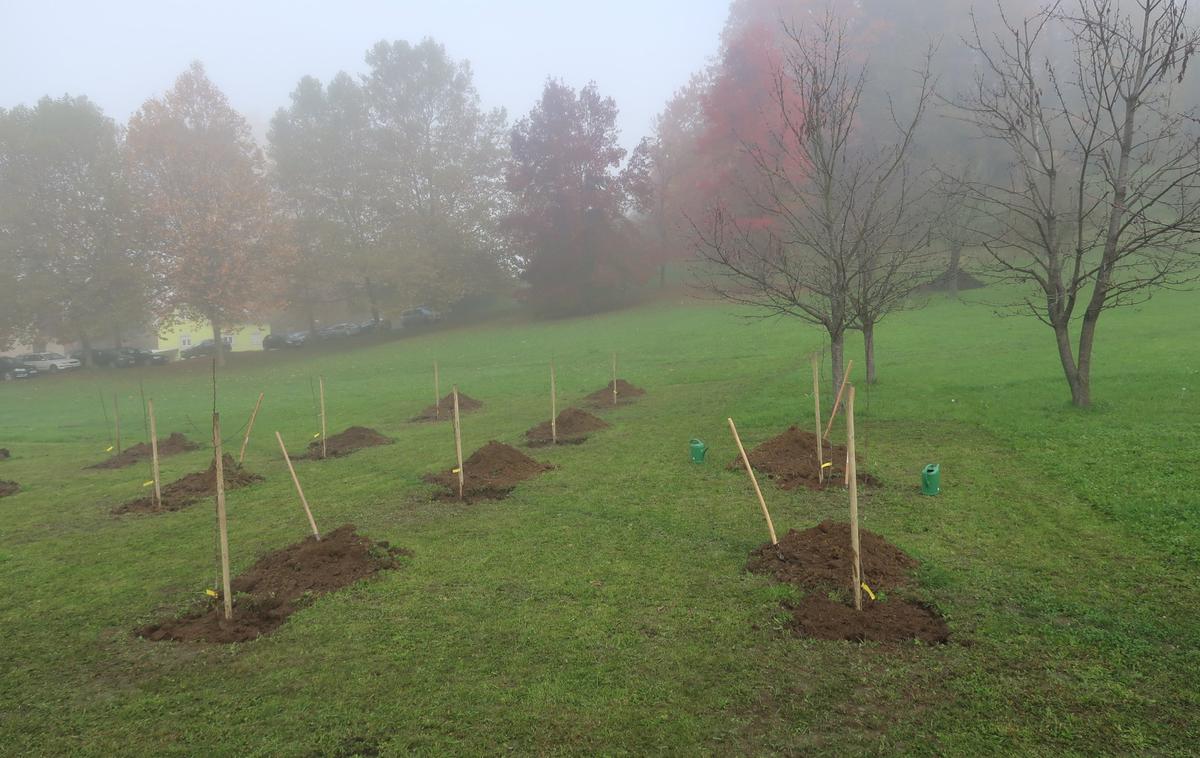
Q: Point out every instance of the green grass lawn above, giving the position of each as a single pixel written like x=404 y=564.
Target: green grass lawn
x=604 y=608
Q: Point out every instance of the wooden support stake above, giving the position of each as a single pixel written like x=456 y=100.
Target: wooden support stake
x=437 y=393
x=816 y=372
x=321 y=380
x=837 y=401
x=154 y=454
x=553 y=408
x=222 y=526
x=458 y=444
x=851 y=470
x=754 y=481
x=614 y=364
x=249 y=428
x=117 y=421
x=299 y=491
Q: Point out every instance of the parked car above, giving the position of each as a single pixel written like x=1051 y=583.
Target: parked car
x=206 y=347
x=51 y=362
x=419 y=316
x=294 y=339
x=104 y=357
x=142 y=357
x=372 y=326
x=11 y=368
x=345 y=329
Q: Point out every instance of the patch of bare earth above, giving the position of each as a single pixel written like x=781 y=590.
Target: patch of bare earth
x=278 y=585
x=490 y=473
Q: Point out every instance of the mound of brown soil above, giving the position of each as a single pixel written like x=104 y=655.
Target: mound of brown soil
x=603 y=398
x=189 y=489
x=278 y=584
x=172 y=445
x=4 y=454
x=890 y=620
x=820 y=559
x=8 y=488
x=790 y=459
x=345 y=443
x=491 y=473
x=573 y=425
x=465 y=405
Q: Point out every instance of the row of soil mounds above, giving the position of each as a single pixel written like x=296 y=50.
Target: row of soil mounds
x=603 y=398
x=490 y=473
x=790 y=460
x=192 y=488
x=573 y=426
x=444 y=411
x=9 y=488
x=278 y=585
x=820 y=562
x=172 y=445
x=344 y=443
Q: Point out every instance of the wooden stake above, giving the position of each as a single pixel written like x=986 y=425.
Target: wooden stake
x=837 y=401
x=117 y=420
x=614 y=362
x=222 y=526
x=299 y=491
x=154 y=454
x=816 y=372
x=458 y=444
x=754 y=481
x=553 y=408
x=321 y=380
x=437 y=393
x=851 y=470
x=249 y=427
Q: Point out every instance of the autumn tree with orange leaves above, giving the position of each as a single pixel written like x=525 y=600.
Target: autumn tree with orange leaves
x=202 y=205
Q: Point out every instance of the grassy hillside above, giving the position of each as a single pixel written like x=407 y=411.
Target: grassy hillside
x=604 y=607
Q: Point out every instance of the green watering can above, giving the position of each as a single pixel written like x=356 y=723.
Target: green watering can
x=698 y=449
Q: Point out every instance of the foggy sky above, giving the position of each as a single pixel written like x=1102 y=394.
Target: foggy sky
x=120 y=53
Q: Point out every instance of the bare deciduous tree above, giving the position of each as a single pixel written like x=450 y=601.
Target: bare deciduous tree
x=833 y=234
x=1102 y=203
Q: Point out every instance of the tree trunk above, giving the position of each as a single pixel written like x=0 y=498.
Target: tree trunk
x=218 y=344
x=868 y=331
x=837 y=354
x=85 y=345
x=952 y=271
x=1080 y=391
x=116 y=336
x=370 y=291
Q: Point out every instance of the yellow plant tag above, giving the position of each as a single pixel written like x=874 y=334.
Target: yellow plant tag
x=455 y=470
x=827 y=464
x=868 y=589
x=210 y=593
x=147 y=484
x=315 y=435
x=108 y=449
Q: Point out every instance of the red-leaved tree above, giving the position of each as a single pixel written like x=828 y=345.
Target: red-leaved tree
x=570 y=195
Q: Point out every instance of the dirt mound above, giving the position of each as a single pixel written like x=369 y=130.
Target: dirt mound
x=573 y=424
x=491 y=473
x=890 y=620
x=8 y=488
x=345 y=443
x=465 y=405
x=819 y=559
x=4 y=454
x=790 y=459
x=603 y=398
x=191 y=488
x=172 y=445
x=278 y=584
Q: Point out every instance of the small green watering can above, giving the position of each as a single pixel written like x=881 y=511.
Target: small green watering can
x=698 y=449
